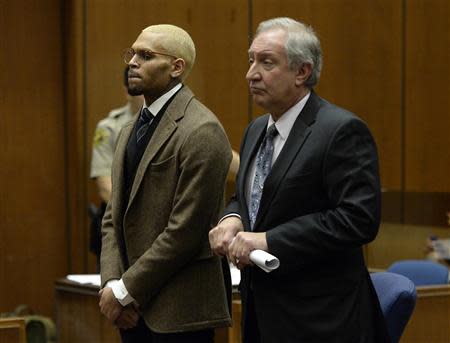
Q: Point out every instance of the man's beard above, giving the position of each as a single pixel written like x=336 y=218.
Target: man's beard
x=133 y=91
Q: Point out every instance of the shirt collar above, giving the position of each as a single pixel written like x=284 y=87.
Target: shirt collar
x=156 y=105
x=288 y=118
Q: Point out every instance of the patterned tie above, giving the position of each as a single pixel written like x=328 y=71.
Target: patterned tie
x=145 y=119
x=263 y=166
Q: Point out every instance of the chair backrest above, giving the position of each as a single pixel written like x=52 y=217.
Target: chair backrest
x=397 y=297
x=421 y=272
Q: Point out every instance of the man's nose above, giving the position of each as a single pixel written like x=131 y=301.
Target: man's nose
x=134 y=61
x=253 y=73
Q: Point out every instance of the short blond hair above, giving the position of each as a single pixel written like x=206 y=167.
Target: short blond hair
x=178 y=43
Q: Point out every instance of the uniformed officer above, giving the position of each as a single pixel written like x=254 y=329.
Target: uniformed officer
x=104 y=144
x=105 y=141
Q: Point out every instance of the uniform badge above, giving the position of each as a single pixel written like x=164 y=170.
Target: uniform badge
x=100 y=136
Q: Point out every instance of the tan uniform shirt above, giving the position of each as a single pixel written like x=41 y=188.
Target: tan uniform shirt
x=105 y=139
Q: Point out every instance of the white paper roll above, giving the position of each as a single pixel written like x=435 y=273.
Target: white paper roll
x=264 y=260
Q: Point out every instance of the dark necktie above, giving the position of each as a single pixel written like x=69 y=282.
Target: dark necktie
x=263 y=166
x=145 y=119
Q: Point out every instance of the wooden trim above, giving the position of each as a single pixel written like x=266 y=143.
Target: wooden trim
x=75 y=138
x=433 y=291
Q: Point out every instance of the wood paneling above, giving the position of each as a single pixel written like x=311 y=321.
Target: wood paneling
x=220 y=33
x=400 y=242
x=76 y=133
x=33 y=237
x=361 y=68
x=426 y=208
x=427 y=96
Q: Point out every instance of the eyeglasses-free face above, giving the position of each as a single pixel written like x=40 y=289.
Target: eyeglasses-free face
x=141 y=55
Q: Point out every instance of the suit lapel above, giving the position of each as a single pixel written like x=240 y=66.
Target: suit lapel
x=297 y=137
x=163 y=132
x=119 y=167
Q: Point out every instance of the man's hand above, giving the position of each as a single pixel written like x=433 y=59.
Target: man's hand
x=241 y=246
x=221 y=236
x=128 y=318
x=109 y=305
x=104 y=187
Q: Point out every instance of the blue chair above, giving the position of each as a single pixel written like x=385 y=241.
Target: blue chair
x=397 y=297
x=421 y=272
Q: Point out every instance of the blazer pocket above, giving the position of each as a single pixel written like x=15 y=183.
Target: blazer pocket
x=162 y=165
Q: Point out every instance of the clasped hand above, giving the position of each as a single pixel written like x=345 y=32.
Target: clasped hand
x=122 y=317
x=229 y=239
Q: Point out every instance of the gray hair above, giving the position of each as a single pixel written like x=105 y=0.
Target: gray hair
x=302 y=45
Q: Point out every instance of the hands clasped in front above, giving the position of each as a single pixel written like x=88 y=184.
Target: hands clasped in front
x=229 y=239
x=122 y=317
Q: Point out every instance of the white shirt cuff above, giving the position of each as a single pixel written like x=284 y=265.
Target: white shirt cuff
x=120 y=292
x=229 y=215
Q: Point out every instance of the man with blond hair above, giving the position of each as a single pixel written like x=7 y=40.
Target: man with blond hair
x=161 y=282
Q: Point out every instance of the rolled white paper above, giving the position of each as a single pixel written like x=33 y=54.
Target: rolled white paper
x=264 y=260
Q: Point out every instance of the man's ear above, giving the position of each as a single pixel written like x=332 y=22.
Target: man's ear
x=178 y=67
x=303 y=73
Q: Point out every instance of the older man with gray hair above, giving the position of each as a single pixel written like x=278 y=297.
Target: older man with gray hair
x=161 y=282
x=308 y=192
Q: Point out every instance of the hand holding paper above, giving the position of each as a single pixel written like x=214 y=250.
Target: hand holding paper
x=262 y=259
x=253 y=245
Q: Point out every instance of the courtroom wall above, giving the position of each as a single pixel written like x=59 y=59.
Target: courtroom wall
x=33 y=191
x=386 y=60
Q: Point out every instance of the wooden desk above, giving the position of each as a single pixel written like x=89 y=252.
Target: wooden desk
x=12 y=330
x=78 y=317
x=430 y=321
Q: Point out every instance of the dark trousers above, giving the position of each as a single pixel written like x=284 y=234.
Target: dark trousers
x=142 y=334
x=250 y=327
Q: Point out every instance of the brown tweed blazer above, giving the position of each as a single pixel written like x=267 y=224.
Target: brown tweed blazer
x=176 y=197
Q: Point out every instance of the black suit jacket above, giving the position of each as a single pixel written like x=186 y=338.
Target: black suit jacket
x=320 y=205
